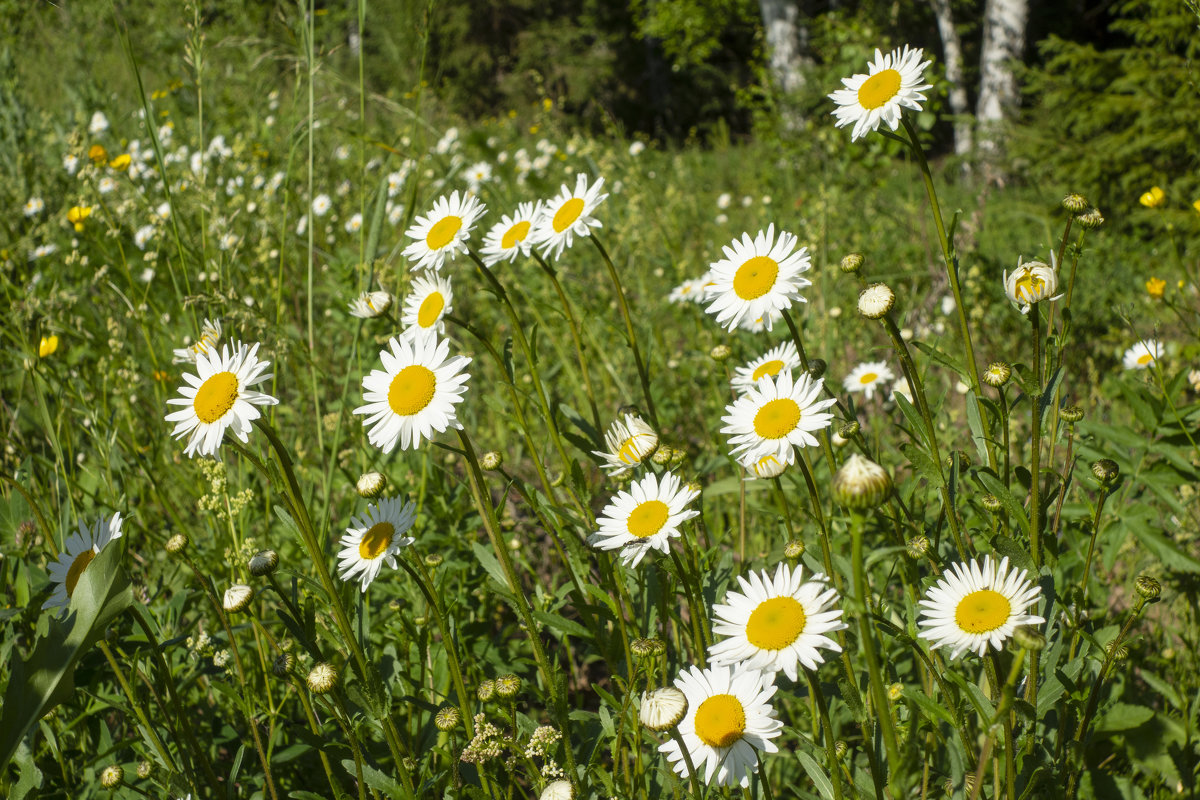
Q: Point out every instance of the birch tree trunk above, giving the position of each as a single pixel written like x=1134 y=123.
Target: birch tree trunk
x=1003 y=40
x=787 y=42
x=953 y=57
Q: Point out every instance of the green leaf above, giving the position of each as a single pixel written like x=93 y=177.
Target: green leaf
x=924 y=464
x=47 y=678
x=942 y=357
x=1007 y=546
x=377 y=780
x=31 y=776
x=1166 y=550
x=818 y=776
x=488 y=559
x=559 y=624
x=975 y=423
x=928 y=705
x=995 y=486
x=231 y=784
x=913 y=416
x=1122 y=717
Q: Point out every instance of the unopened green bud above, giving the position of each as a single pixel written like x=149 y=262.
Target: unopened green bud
x=1030 y=639
x=875 y=301
x=861 y=484
x=663 y=455
x=283 y=665
x=491 y=460
x=263 y=563
x=434 y=560
x=918 y=546
x=112 y=776
x=143 y=769
x=371 y=484
x=647 y=647
x=1075 y=203
x=507 y=686
x=177 y=544
x=997 y=374
x=793 y=549
x=1091 y=220
x=849 y=430
x=447 y=718
x=840 y=748
x=486 y=691
x=852 y=263
x=1147 y=587
x=720 y=353
x=992 y=503
x=322 y=678
x=1071 y=414
x=1106 y=471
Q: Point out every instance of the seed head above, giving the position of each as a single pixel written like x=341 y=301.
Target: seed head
x=263 y=563
x=237 y=597
x=851 y=263
x=371 y=484
x=875 y=301
x=112 y=776
x=861 y=484
x=322 y=678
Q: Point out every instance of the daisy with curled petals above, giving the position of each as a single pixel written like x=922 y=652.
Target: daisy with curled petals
x=776 y=622
x=630 y=442
x=893 y=82
x=728 y=721
x=973 y=606
x=776 y=416
x=78 y=551
x=770 y=364
x=866 y=377
x=427 y=305
x=414 y=394
x=374 y=539
x=443 y=232
x=757 y=277
x=1142 y=354
x=210 y=333
x=219 y=397
x=568 y=215
x=645 y=518
x=509 y=237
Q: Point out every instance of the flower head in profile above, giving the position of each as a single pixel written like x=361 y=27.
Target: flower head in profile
x=374 y=539
x=630 y=441
x=219 y=397
x=866 y=377
x=777 y=416
x=1143 y=354
x=443 y=232
x=973 y=606
x=510 y=237
x=78 y=551
x=690 y=291
x=567 y=215
x=369 y=305
x=777 y=359
x=893 y=82
x=1031 y=282
x=645 y=518
x=758 y=278
x=210 y=334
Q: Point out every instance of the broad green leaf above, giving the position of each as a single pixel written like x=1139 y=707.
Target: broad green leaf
x=975 y=423
x=560 y=625
x=1017 y=555
x=1166 y=550
x=914 y=418
x=924 y=464
x=377 y=780
x=1122 y=717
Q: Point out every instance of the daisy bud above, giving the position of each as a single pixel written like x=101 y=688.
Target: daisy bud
x=434 y=560
x=875 y=301
x=559 y=790
x=766 y=467
x=720 y=353
x=177 y=544
x=237 y=597
x=486 y=691
x=861 y=484
x=1031 y=282
x=895 y=691
x=369 y=305
x=112 y=776
x=263 y=563
x=1091 y=220
x=964 y=461
x=840 y=748
x=1119 y=652
x=322 y=678
x=849 y=430
x=918 y=546
x=647 y=648
x=1106 y=471
x=507 y=686
x=283 y=664
x=370 y=485
x=143 y=769
x=852 y=263
x=817 y=367
x=447 y=718
x=1028 y=638
x=662 y=709
x=1071 y=414
x=395 y=604
x=1147 y=587
x=793 y=549
x=992 y=503
x=997 y=374
x=1075 y=203
x=491 y=460
x=663 y=455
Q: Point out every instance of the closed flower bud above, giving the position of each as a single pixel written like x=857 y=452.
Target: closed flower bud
x=1106 y=471
x=918 y=546
x=283 y=665
x=1117 y=652
x=1147 y=587
x=491 y=460
x=322 y=678
x=849 y=430
x=143 y=769
x=177 y=544
x=237 y=597
x=817 y=367
x=645 y=648
x=663 y=455
x=840 y=749
x=1075 y=203
x=371 y=484
x=997 y=374
x=369 y=305
x=852 y=263
x=721 y=352
x=861 y=484
x=434 y=560
x=1028 y=638
x=875 y=301
x=766 y=467
x=793 y=549
x=992 y=503
x=1031 y=282
x=507 y=686
x=447 y=718
x=895 y=691
x=1071 y=414
x=1091 y=220
x=263 y=563
x=663 y=708
x=486 y=691
x=112 y=776
x=558 y=790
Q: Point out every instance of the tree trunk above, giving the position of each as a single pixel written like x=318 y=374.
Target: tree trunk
x=787 y=43
x=952 y=55
x=1003 y=40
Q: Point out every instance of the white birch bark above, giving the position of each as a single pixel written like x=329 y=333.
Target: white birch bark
x=953 y=58
x=1003 y=40
x=787 y=42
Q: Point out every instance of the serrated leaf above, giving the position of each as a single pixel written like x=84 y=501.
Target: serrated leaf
x=1016 y=554
x=924 y=464
x=1122 y=717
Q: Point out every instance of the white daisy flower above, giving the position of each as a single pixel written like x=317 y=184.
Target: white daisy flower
x=893 y=82
x=776 y=416
x=1143 y=353
x=414 y=394
x=568 y=215
x=662 y=709
x=866 y=377
x=729 y=719
x=757 y=277
x=99 y=123
x=34 y=206
x=777 y=622
x=645 y=518
x=375 y=538
x=971 y=607
x=478 y=174
x=219 y=396
x=767 y=466
x=1031 y=282
x=509 y=237
x=776 y=360
x=106 y=185
x=690 y=291
x=369 y=305
x=761 y=323
x=143 y=235
x=630 y=442
x=320 y=205
x=43 y=250
x=427 y=305
x=70 y=163
x=78 y=551
x=354 y=224
x=210 y=334
x=443 y=233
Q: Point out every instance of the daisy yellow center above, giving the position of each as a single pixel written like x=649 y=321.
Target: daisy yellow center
x=769 y=368
x=1030 y=285
x=76 y=569
x=878 y=89
x=629 y=452
x=648 y=518
x=720 y=720
x=982 y=611
x=443 y=231
x=1145 y=358
x=215 y=397
x=376 y=540
x=756 y=277
x=777 y=418
x=515 y=234
x=411 y=390
x=431 y=309
x=776 y=623
x=868 y=377
x=567 y=213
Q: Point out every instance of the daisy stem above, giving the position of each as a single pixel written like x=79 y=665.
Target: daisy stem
x=696 y=602
x=633 y=343
x=138 y=708
x=823 y=435
x=314 y=726
x=1035 y=458
x=787 y=512
x=573 y=324
x=1105 y=488
x=697 y=789
x=1004 y=432
x=814 y=687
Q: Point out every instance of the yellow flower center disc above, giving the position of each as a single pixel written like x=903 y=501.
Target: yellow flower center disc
x=720 y=720
x=777 y=418
x=430 y=310
x=776 y=623
x=1030 y=286
x=982 y=611
x=215 y=397
x=567 y=213
x=769 y=368
x=629 y=451
x=868 y=377
x=878 y=89
x=442 y=233
x=376 y=540
x=76 y=569
x=648 y=518
x=755 y=278
x=1145 y=358
x=517 y=233
x=411 y=390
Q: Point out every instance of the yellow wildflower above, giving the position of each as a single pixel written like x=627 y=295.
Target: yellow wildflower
x=97 y=154
x=121 y=162
x=77 y=215
x=47 y=346
x=1153 y=198
x=1196 y=205
x=1155 y=287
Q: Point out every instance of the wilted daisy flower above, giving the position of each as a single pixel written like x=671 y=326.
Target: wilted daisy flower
x=690 y=291
x=777 y=622
x=630 y=442
x=210 y=333
x=767 y=466
x=893 y=82
x=219 y=396
x=1142 y=354
x=375 y=538
x=662 y=709
x=369 y=305
x=645 y=518
x=1031 y=282
x=509 y=237
x=320 y=205
x=757 y=277
x=78 y=551
x=776 y=416
x=414 y=394
x=866 y=377
x=777 y=359
x=971 y=607
x=443 y=232
x=729 y=719
x=34 y=206
x=568 y=215
x=426 y=306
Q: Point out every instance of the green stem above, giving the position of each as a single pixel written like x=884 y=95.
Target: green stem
x=1035 y=480
x=138 y=709
x=814 y=687
x=1087 y=563
x=573 y=324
